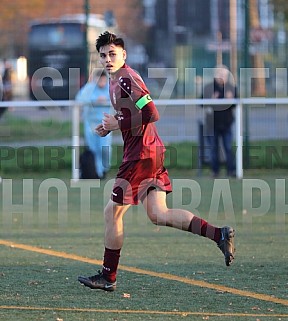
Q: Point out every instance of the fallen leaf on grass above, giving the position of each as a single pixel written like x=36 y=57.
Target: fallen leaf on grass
x=126 y=295
x=33 y=283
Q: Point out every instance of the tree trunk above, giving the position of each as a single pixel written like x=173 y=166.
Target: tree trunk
x=258 y=83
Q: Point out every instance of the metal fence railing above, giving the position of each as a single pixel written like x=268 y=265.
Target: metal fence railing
x=179 y=118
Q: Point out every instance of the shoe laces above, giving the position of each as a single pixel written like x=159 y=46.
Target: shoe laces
x=96 y=277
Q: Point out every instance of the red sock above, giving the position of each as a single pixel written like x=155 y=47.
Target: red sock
x=201 y=227
x=110 y=264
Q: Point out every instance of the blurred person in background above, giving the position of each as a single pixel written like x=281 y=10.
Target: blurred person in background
x=7 y=94
x=94 y=97
x=219 y=120
x=1 y=88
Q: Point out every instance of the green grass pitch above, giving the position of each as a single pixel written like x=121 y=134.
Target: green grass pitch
x=165 y=274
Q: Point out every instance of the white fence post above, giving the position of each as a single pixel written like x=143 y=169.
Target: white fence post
x=239 y=140
x=75 y=141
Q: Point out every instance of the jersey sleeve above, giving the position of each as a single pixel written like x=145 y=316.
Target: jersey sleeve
x=141 y=106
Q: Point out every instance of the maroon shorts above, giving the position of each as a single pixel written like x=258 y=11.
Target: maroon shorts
x=135 y=179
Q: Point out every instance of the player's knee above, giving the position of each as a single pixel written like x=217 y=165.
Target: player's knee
x=113 y=213
x=157 y=217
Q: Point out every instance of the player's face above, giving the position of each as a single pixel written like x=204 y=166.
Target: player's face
x=112 y=57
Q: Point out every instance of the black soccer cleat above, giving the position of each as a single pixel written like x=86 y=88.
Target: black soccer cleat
x=226 y=244
x=97 y=282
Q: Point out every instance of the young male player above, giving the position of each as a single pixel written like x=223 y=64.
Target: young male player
x=141 y=176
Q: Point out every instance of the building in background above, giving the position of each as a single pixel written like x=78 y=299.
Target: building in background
x=168 y=33
x=200 y=34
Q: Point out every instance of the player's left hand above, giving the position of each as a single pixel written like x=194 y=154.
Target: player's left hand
x=109 y=122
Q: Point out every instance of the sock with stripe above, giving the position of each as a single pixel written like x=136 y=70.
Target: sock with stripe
x=110 y=264
x=203 y=228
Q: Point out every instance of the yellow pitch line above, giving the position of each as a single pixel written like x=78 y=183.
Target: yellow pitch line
x=182 y=313
x=202 y=284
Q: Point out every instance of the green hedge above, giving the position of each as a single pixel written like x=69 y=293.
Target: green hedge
x=263 y=155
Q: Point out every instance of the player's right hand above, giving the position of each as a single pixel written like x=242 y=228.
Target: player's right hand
x=99 y=129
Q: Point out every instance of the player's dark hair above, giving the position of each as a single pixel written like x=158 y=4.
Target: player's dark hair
x=108 y=38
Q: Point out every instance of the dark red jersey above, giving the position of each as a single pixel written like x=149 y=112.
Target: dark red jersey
x=136 y=115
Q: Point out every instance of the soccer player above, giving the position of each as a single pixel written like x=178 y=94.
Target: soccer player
x=141 y=175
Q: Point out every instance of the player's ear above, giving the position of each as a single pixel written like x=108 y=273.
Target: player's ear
x=124 y=54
